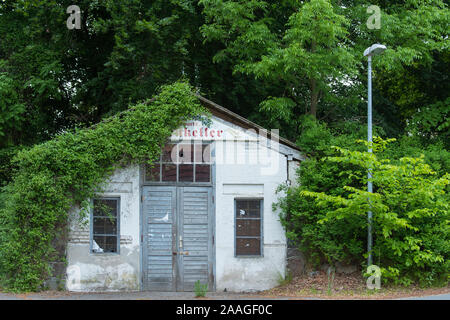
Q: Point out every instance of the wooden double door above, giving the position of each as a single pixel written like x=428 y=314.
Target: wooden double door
x=178 y=238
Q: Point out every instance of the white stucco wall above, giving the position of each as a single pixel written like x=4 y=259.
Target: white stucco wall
x=242 y=169
x=108 y=271
x=258 y=179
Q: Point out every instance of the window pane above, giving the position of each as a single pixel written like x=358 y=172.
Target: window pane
x=185 y=153
x=104 y=244
x=105 y=226
x=105 y=207
x=248 y=227
x=254 y=213
x=202 y=173
x=152 y=173
x=248 y=208
x=186 y=172
x=248 y=247
x=169 y=153
x=241 y=209
x=254 y=204
x=169 y=172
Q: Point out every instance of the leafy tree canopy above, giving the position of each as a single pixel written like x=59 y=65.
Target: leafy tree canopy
x=313 y=49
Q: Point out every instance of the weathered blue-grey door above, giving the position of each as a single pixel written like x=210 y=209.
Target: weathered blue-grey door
x=178 y=245
x=195 y=247
x=159 y=218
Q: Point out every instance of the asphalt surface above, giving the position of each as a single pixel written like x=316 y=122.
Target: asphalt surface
x=137 y=296
x=167 y=296
x=445 y=296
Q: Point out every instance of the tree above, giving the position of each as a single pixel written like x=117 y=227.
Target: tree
x=123 y=52
x=54 y=79
x=307 y=56
x=324 y=73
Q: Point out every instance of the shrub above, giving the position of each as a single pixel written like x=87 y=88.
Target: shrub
x=410 y=215
x=335 y=240
x=345 y=239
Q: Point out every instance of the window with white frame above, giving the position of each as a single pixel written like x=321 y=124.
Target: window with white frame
x=248 y=227
x=105 y=236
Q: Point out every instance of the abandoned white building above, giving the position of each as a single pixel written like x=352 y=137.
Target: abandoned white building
x=202 y=212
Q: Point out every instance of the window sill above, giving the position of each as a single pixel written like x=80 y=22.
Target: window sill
x=104 y=254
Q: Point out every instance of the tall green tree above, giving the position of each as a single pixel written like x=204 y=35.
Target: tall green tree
x=313 y=49
x=54 y=79
x=310 y=54
x=122 y=53
x=273 y=61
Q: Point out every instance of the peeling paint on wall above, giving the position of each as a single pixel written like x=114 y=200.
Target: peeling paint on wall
x=88 y=271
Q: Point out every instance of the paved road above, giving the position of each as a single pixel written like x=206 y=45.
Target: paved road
x=138 y=296
x=445 y=296
x=167 y=296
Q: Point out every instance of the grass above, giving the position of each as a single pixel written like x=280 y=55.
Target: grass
x=200 y=289
x=282 y=281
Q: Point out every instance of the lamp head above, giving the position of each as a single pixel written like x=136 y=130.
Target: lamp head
x=374 y=50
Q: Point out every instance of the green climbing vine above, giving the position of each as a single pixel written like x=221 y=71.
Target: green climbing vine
x=66 y=171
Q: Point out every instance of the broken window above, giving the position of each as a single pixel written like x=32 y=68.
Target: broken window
x=248 y=231
x=183 y=162
x=105 y=225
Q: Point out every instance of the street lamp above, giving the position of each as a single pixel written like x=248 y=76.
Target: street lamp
x=369 y=52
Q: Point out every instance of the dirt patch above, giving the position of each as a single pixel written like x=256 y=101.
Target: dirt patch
x=301 y=287
x=49 y=294
x=351 y=286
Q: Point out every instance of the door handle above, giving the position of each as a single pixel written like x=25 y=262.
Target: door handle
x=181 y=253
x=181 y=243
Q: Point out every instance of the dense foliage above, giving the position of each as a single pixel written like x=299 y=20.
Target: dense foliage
x=310 y=55
x=273 y=62
x=52 y=78
x=53 y=176
x=284 y=58
x=326 y=215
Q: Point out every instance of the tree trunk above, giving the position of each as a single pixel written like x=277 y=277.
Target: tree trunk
x=314 y=97
x=313 y=88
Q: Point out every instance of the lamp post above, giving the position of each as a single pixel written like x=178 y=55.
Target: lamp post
x=369 y=52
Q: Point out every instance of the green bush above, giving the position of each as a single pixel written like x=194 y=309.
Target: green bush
x=337 y=240
x=53 y=176
x=325 y=216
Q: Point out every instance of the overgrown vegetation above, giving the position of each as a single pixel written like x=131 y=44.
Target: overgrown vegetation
x=200 y=289
x=53 y=176
x=326 y=215
x=269 y=61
